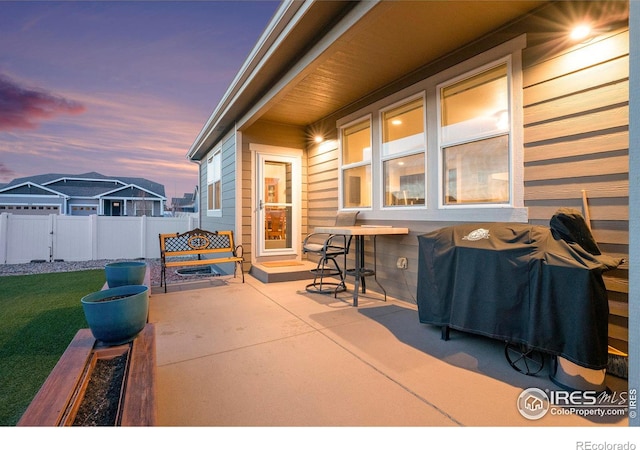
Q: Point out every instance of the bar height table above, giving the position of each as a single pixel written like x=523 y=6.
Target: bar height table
x=359 y=233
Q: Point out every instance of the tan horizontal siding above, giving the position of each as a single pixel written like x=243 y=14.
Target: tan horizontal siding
x=602 y=213
x=322 y=185
x=578 y=102
x=615 y=117
x=576 y=140
x=617 y=284
x=575 y=169
x=324 y=180
x=325 y=166
x=324 y=204
x=316 y=159
x=618 y=308
x=610 y=236
x=322 y=216
x=575 y=60
x=619 y=328
x=609 y=72
x=580 y=146
x=322 y=194
x=573 y=190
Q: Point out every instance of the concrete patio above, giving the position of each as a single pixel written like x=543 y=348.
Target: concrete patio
x=254 y=354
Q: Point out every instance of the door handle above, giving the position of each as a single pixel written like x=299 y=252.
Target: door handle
x=261 y=206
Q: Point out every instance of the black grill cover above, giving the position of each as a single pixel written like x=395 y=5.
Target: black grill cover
x=520 y=283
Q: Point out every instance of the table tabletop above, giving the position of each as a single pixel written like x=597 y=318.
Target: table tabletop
x=362 y=230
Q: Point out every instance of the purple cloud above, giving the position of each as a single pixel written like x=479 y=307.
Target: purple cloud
x=22 y=108
x=5 y=172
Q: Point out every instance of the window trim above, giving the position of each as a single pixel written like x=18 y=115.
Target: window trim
x=343 y=167
x=441 y=144
x=432 y=210
x=214 y=212
x=382 y=158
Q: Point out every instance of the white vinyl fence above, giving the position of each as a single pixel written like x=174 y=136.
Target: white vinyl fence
x=83 y=238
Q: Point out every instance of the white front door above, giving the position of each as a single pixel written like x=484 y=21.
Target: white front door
x=278 y=195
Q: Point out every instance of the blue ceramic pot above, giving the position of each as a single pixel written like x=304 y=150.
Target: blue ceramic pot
x=125 y=273
x=116 y=315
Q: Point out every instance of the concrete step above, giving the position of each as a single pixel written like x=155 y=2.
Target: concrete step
x=275 y=272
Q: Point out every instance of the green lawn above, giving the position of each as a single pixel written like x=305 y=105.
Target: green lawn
x=39 y=315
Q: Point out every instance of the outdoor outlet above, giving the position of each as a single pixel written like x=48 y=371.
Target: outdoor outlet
x=402 y=263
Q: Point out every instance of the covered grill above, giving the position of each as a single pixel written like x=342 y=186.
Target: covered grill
x=537 y=286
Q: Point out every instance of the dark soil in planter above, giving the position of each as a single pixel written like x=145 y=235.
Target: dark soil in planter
x=113 y=297
x=99 y=406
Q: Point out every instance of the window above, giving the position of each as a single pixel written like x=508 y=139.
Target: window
x=143 y=208
x=356 y=165
x=403 y=154
x=214 y=193
x=475 y=138
x=448 y=148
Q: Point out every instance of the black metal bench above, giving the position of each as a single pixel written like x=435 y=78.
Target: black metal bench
x=200 y=243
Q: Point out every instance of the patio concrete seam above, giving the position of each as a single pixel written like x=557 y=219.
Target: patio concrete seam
x=243 y=347
x=393 y=380
x=361 y=359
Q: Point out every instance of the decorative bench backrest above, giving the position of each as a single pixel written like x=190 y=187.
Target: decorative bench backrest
x=195 y=242
x=199 y=242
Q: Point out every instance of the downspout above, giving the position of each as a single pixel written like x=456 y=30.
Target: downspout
x=237 y=232
x=198 y=199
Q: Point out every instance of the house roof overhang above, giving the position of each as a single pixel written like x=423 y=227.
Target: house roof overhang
x=113 y=193
x=39 y=187
x=318 y=58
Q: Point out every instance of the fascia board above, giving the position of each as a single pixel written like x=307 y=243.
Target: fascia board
x=83 y=179
x=39 y=186
x=285 y=18
x=113 y=191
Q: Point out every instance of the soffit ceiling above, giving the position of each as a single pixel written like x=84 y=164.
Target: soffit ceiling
x=392 y=40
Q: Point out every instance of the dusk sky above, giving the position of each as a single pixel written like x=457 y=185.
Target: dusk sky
x=119 y=88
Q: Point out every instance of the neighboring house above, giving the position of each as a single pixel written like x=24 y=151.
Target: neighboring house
x=187 y=204
x=82 y=195
x=423 y=115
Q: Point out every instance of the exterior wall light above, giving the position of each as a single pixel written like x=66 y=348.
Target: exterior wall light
x=580 y=32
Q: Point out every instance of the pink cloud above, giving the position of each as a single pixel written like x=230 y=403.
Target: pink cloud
x=5 y=172
x=22 y=107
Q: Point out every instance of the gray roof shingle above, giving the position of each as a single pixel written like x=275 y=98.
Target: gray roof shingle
x=77 y=187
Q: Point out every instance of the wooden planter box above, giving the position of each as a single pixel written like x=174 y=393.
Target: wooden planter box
x=60 y=397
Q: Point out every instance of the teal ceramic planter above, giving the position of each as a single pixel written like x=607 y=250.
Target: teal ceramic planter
x=125 y=273
x=116 y=315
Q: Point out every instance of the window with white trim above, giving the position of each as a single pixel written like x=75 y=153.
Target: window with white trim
x=214 y=192
x=475 y=138
x=356 y=164
x=461 y=158
x=403 y=154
